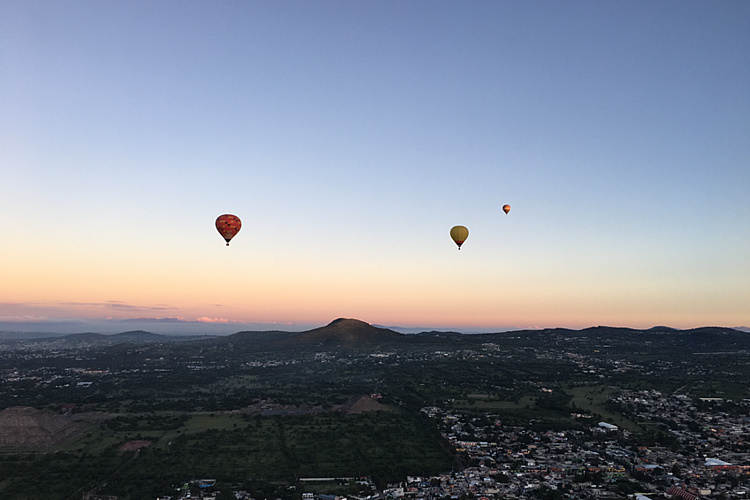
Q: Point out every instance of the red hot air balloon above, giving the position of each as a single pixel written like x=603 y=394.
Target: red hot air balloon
x=506 y=209
x=228 y=226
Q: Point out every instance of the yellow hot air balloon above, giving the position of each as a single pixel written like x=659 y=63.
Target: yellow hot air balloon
x=506 y=209
x=459 y=235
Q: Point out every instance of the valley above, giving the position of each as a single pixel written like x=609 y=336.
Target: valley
x=258 y=411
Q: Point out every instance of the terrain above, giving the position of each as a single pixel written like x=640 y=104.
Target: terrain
x=263 y=409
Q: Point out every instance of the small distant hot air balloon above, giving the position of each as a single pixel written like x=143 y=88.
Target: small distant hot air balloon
x=228 y=226
x=506 y=209
x=459 y=235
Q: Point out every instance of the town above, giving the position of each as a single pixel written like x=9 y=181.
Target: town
x=706 y=454
x=703 y=459
x=598 y=413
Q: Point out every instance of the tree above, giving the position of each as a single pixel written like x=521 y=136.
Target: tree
x=677 y=471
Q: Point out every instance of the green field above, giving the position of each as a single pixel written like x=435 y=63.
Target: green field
x=592 y=399
x=231 y=448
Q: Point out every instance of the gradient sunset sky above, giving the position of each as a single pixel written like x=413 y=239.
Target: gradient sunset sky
x=349 y=137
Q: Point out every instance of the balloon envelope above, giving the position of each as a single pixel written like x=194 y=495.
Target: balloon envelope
x=459 y=235
x=506 y=208
x=228 y=226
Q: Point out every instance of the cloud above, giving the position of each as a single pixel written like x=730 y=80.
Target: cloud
x=118 y=305
x=41 y=311
x=150 y=320
x=211 y=320
x=204 y=319
x=75 y=317
x=114 y=316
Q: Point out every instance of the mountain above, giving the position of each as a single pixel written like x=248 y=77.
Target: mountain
x=265 y=337
x=138 y=336
x=341 y=334
x=345 y=333
x=348 y=334
x=72 y=339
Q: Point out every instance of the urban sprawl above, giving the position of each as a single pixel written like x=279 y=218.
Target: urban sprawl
x=704 y=453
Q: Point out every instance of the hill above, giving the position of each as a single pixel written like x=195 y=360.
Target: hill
x=341 y=334
x=135 y=336
x=345 y=333
x=353 y=335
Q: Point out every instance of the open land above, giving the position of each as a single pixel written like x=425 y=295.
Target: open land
x=371 y=413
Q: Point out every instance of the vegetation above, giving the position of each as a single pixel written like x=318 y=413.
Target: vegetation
x=260 y=411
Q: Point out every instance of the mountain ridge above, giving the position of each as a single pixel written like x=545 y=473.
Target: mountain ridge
x=349 y=333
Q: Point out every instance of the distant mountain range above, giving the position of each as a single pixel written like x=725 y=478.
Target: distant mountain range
x=355 y=335
x=134 y=336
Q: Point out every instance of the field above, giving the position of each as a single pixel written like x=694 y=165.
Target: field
x=260 y=417
x=255 y=449
x=592 y=399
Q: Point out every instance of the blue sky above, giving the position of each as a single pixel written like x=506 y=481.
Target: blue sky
x=349 y=137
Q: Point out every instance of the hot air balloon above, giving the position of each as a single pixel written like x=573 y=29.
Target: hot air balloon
x=506 y=209
x=228 y=226
x=459 y=235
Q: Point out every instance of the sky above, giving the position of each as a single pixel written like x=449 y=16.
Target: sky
x=349 y=137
